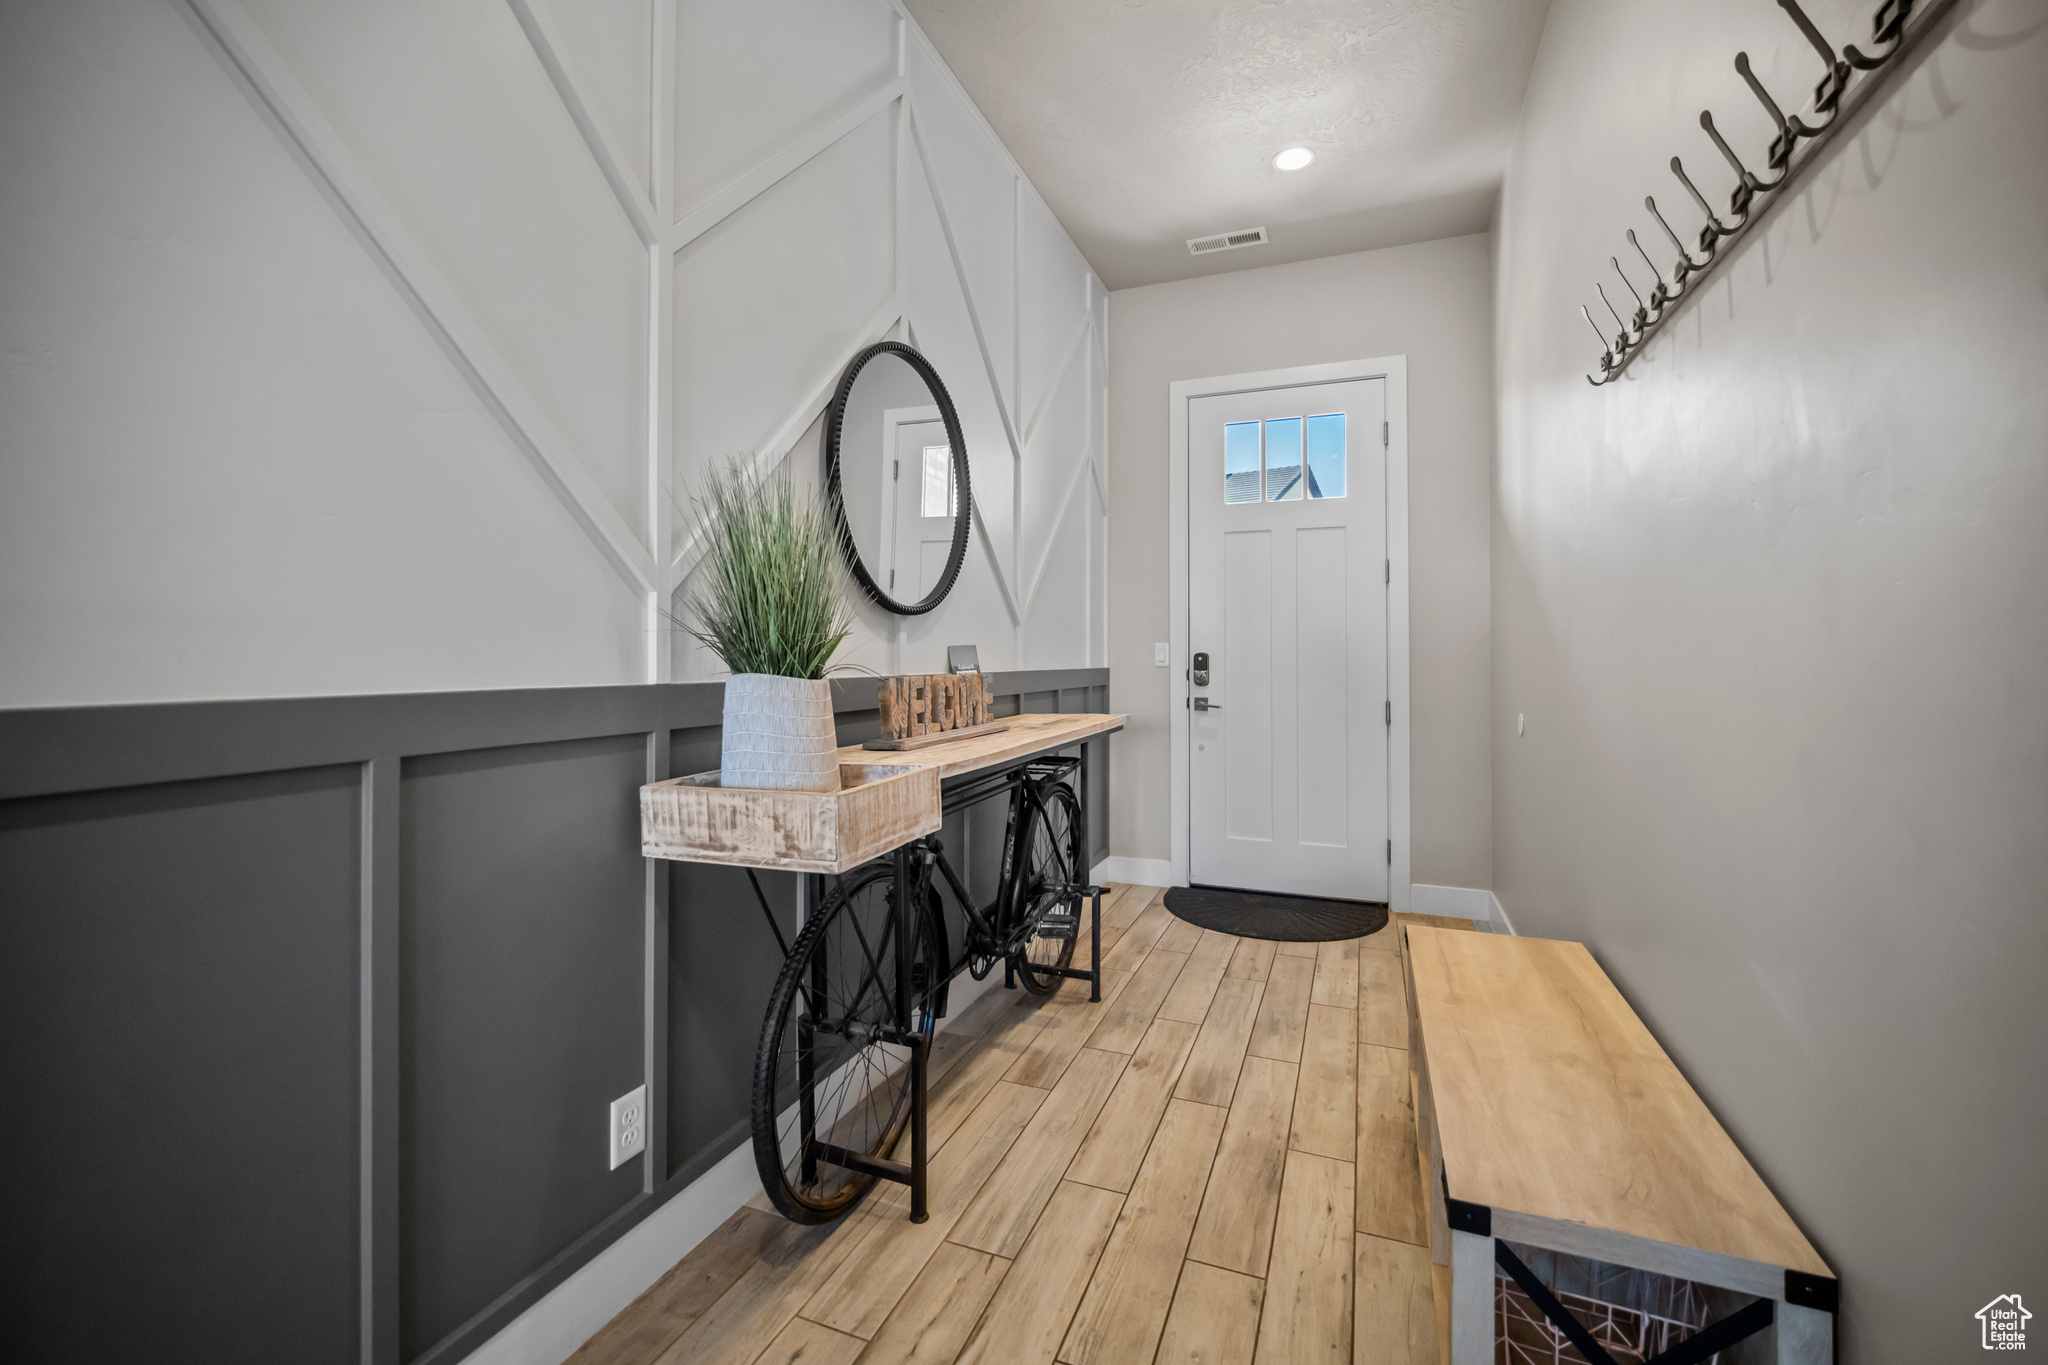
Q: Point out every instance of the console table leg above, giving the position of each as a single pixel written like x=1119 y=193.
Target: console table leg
x=1804 y=1336
x=906 y=1020
x=918 y=1160
x=1471 y=1299
x=1095 y=946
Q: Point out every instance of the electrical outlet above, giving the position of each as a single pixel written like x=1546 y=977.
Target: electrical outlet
x=629 y=1126
x=1159 y=656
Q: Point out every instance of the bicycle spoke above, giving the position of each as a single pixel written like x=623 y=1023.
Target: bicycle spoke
x=874 y=967
x=851 y=1091
x=1044 y=871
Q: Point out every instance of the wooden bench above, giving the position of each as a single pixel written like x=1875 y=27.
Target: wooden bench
x=1549 y=1117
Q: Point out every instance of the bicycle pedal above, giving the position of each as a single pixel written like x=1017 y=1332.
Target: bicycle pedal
x=1059 y=926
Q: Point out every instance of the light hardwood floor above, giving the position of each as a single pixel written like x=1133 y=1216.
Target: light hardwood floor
x=1215 y=1164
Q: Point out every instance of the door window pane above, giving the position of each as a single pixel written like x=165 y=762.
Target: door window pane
x=940 y=498
x=1240 y=462
x=1283 y=460
x=1326 y=456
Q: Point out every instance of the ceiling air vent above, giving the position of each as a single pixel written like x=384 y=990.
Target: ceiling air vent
x=1227 y=241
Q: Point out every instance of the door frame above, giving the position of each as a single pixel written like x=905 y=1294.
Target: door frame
x=1394 y=370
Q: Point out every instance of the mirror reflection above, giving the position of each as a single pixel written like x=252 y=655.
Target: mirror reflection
x=897 y=480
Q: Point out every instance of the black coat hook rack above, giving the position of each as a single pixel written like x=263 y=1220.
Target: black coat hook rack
x=1847 y=82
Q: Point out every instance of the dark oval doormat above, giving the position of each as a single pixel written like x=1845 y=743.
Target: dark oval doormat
x=1290 y=919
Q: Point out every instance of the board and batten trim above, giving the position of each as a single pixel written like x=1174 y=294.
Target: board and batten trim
x=556 y=1324
x=349 y=185
x=645 y=197
x=378 y=1061
x=57 y=753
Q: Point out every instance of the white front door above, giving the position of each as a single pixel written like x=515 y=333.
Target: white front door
x=1287 y=598
x=921 y=519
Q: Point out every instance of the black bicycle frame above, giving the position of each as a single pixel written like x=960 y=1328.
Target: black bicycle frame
x=912 y=877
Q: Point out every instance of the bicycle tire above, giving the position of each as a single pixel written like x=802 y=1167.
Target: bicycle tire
x=860 y=1091
x=1050 y=831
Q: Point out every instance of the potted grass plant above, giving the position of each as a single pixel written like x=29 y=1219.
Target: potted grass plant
x=771 y=605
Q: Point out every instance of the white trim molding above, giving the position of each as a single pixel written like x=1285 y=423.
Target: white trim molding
x=648 y=558
x=572 y=1312
x=1477 y=904
x=1135 y=872
x=1501 y=923
x=351 y=188
x=1393 y=369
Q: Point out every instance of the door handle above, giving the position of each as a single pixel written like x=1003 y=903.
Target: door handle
x=1202 y=704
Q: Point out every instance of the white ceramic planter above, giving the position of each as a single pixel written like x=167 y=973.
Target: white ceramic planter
x=778 y=734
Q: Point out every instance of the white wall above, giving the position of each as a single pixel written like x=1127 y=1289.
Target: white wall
x=377 y=346
x=1773 y=606
x=1428 y=302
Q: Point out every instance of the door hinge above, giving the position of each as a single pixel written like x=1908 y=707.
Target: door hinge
x=1386 y=434
x=1390 y=713
x=892 y=580
x=895 y=470
x=1390 y=573
x=1390 y=853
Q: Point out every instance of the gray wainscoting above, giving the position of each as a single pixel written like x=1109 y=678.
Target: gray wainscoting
x=311 y=1010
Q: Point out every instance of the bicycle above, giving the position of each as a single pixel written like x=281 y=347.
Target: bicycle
x=839 y=1072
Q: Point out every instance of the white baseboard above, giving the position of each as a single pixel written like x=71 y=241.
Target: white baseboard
x=1136 y=871
x=550 y=1331
x=1480 y=906
x=1459 y=902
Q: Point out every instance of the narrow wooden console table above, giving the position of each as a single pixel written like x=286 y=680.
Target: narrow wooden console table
x=880 y=805
x=1027 y=737
x=1550 y=1118
x=887 y=806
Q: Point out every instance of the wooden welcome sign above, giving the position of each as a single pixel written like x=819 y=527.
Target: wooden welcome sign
x=928 y=708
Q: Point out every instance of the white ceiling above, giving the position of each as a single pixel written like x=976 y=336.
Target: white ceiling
x=1147 y=122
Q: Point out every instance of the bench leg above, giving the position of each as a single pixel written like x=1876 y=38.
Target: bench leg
x=1471 y=1299
x=1804 y=1336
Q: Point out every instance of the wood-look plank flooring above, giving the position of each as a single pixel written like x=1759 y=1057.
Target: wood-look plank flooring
x=1215 y=1164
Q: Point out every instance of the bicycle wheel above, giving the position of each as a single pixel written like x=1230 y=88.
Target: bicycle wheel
x=822 y=1074
x=1047 y=844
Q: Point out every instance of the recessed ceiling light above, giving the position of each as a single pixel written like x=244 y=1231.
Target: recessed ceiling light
x=1294 y=158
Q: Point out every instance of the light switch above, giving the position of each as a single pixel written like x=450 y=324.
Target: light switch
x=1159 y=656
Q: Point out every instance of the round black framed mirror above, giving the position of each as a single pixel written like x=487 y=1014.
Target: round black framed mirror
x=896 y=477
